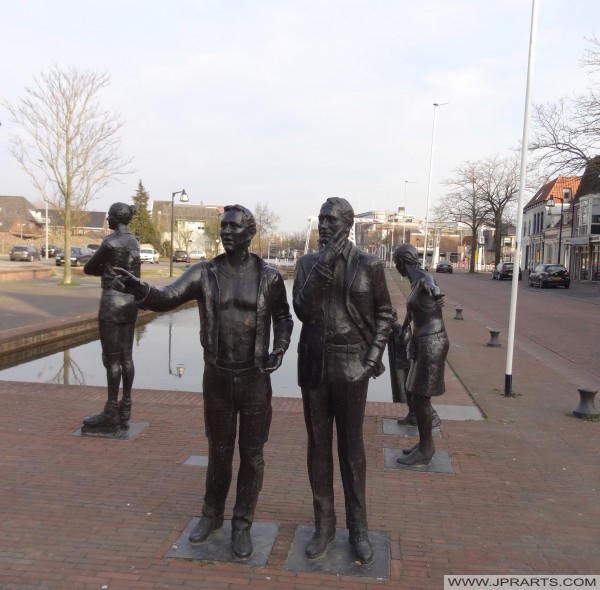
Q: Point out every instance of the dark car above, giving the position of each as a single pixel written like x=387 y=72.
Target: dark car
x=180 y=256
x=444 y=266
x=25 y=252
x=504 y=270
x=549 y=275
x=93 y=247
x=53 y=250
x=78 y=256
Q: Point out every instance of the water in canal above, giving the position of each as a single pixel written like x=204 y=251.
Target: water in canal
x=167 y=356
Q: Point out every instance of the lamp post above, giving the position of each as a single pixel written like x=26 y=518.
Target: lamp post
x=435 y=105
x=46 y=224
x=183 y=198
x=406 y=182
x=552 y=203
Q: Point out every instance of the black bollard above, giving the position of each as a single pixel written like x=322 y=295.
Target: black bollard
x=493 y=338
x=586 y=408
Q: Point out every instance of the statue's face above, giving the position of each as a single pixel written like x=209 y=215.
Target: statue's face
x=113 y=222
x=330 y=223
x=400 y=267
x=234 y=233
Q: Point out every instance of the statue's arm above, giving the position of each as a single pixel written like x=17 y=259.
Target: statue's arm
x=384 y=315
x=95 y=265
x=311 y=285
x=185 y=288
x=281 y=316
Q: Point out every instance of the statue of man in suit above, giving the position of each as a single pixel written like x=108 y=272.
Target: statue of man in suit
x=341 y=297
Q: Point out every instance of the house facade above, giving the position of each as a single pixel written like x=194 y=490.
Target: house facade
x=585 y=232
x=546 y=223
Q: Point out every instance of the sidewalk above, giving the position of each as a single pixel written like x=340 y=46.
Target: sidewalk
x=86 y=513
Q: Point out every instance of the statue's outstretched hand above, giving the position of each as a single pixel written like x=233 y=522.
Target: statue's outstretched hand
x=125 y=282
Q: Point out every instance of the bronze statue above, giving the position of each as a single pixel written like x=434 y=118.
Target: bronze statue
x=239 y=297
x=341 y=297
x=426 y=374
x=116 y=318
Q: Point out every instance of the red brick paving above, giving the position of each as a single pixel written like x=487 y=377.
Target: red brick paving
x=87 y=513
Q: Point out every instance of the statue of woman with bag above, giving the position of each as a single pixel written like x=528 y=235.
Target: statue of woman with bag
x=428 y=347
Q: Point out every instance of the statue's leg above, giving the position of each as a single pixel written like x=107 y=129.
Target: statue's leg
x=108 y=420
x=410 y=419
x=349 y=403
x=128 y=373
x=423 y=453
x=318 y=416
x=220 y=424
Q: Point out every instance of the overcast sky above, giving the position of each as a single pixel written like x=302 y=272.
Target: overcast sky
x=292 y=101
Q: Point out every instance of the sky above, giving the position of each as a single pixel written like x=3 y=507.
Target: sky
x=289 y=102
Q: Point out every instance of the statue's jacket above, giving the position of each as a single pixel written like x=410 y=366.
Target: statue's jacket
x=200 y=282
x=366 y=298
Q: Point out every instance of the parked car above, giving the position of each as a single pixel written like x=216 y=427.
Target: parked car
x=504 y=270
x=149 y=255
x=197 y=255
x=53 y=250
x=444 y=266
x=423 y=264
x=180 y=256
x=93 y=247
x=25 y=252
x=549 y=275
x=78 y=256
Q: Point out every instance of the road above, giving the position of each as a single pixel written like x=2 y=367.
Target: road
x=559 y=326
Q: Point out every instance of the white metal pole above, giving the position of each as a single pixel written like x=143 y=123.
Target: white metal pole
x=435 y=105
x=519 y=230
x=46 y=201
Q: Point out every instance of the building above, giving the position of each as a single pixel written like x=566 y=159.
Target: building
x=21 y=219
x=195 y=227
x=546 y=223
x=585 y=231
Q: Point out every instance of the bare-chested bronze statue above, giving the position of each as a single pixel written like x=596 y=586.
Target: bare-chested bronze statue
x=240 y=299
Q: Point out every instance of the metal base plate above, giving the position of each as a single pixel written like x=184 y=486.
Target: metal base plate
x=134 y=430
x=340 y=559
x=218 y=546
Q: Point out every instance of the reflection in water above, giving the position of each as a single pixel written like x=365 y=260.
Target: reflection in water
x=170 y=339
x=68 y=369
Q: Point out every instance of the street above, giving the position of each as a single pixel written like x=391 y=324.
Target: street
x=560 y=326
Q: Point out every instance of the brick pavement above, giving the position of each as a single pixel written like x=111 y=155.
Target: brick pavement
x=90 y=513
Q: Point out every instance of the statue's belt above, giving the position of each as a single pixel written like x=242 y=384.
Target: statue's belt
x=346 y=347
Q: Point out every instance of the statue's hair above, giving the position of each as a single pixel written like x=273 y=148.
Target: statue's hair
x=122 y=211
x=406 y=253
x=249 y=220
x=346 y=210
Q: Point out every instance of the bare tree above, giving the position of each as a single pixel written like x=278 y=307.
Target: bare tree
x=498 y=188
x=567 y=133
x=463 y=204
x=70 y=146
x=266 y=223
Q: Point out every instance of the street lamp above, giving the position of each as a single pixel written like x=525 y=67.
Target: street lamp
x=435 y=105
x=552 y=203
x=183 y=198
